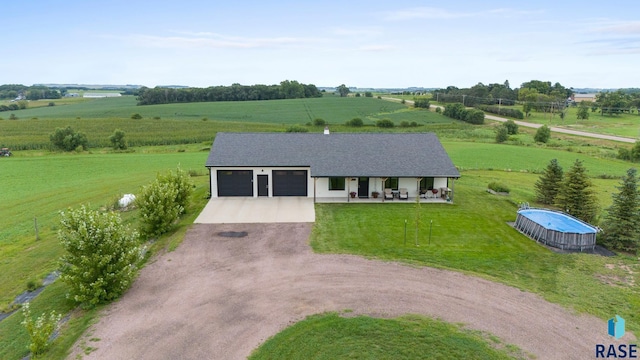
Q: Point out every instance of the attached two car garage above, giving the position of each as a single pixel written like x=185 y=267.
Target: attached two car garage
x=241 y=183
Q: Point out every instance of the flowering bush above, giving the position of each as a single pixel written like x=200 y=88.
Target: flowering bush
x=40 y=329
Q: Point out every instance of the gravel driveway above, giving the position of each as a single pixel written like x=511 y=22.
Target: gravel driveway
x=220 y=298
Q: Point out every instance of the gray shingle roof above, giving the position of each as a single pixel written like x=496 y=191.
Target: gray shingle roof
x=352 y=154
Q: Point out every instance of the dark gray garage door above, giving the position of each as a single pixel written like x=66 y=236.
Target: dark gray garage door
x=290 y=183
x=235 y=183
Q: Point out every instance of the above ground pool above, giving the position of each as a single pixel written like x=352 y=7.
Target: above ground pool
x=556 y=229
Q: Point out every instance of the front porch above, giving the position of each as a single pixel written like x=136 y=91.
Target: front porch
x=434 y=200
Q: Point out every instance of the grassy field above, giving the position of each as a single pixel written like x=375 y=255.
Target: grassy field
x=333 y=109
x=43 y=185
x=627 y=125
x=478 y=242
x=196 y=122
x=331 y=336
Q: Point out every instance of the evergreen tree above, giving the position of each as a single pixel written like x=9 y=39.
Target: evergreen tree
x=549 y=183
x=622 y=223
x=576 y=195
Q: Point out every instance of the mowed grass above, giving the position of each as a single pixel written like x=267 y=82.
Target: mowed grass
x=471 y=155
x=331 y=336
x=14 y=339
x=627 y=125
x=40 y=187
x=472 y=235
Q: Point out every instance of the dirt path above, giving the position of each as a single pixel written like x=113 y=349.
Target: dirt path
x=220 y=298
x=535 y=126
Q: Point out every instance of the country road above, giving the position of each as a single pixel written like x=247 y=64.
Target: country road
x=535 y=126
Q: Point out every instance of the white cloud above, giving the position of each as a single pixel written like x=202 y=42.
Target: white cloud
x=376 y=48
x=214 y=40
x=444 y=14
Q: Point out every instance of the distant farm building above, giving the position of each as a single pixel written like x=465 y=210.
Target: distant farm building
x=583 y=97
x=101 y=95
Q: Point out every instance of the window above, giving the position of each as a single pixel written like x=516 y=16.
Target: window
x=336 y=183
x=391 y=183
x=426 y=183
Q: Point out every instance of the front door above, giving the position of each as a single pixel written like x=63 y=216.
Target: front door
x=263 y=185
x=363 y=187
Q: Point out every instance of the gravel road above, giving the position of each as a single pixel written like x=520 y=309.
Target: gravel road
x=219 y=298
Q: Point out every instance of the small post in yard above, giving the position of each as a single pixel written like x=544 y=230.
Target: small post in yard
x=430 y=226
x=35 y=224
x=405 y=232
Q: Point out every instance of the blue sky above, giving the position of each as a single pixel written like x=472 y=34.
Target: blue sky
x=326 y=43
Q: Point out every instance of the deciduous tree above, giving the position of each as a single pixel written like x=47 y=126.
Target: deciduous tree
x=542 y=134
x=101 y=255
x=343 y=90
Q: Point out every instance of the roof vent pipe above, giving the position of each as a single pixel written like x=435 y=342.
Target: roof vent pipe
x=326 y=130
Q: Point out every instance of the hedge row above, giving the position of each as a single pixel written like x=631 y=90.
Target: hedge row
x=514 y=113
x=459 y=112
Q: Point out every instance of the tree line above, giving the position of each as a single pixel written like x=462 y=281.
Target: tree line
x=13 y=91
x=236 y=92
x=573 y=192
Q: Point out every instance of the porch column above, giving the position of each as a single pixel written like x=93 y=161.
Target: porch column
x=382 y=180
x=453 y=182
x=418 y=187
x=314 y=189
x=348 y=189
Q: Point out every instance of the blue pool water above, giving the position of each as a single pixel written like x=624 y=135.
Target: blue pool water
x=557 y=221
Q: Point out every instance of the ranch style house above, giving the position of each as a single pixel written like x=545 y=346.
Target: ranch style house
x=329 y=166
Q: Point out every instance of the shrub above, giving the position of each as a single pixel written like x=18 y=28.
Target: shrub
x=421 y=103
x=498 y=110
x=158 y=208
x=542 y=134
x=512 y=127
x=475 y=117
x=183 y=184
x=355 y=122
x=358 y=95
x=39 y=330
x=13 y=117
x=296 y=129
x=413 y=124
x=438 y=110
x=498 y=187
x=68 y=140
x=51 y=104
x=136 y=116
x=502 y=134
x=117 y=140
x=368 y=94
x=403 y=101
x=404 y=123
x=385 y=123
x=101 y=255
x=319 y=122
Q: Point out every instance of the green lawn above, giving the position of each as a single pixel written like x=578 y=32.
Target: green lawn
x=623 y=125
x=41 y=186
x=468 y=155
x=13 y=337
x=472 y=235
x=331 y=336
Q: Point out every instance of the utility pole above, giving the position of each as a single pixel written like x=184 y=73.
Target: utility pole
x=499 y=103
x=463 y=96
